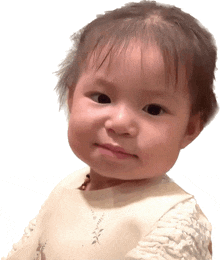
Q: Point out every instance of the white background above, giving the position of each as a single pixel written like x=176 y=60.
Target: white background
x=35 y=155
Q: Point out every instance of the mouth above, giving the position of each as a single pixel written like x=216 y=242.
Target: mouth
x=114 y=151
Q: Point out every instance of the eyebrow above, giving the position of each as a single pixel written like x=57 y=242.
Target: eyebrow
x=104 y=82
x=158 y=93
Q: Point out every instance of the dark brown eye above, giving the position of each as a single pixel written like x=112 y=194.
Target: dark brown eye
x=154 y=109
x=101 y=98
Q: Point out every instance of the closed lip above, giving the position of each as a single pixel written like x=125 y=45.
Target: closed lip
x=114 y=148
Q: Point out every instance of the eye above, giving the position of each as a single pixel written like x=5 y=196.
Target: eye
x=154 y=109
x=101 y=98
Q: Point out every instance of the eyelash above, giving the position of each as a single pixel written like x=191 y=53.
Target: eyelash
x=100 y=94
x=107 y=100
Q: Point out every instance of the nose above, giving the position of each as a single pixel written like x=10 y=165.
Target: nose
x=122 y=121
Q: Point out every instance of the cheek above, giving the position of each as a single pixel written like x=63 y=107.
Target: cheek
x=76 y=129
x=161 y=151
x=74 y=142
x=81 y=130
x=78 y=139
x=78 y=124
x=164 y=141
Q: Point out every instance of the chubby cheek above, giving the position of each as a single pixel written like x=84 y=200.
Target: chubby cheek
x=81 y=134
x=161 y=149
x=76 y=132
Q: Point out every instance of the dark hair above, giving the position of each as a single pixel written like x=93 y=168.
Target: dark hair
x=183 y=42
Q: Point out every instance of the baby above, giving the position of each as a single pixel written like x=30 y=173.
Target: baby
x=138 y=85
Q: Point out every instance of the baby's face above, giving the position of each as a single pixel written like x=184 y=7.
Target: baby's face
x=129 y=107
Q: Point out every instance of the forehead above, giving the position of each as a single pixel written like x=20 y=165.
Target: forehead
x=143 y=65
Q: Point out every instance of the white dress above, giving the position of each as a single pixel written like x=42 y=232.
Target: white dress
x=158 y=224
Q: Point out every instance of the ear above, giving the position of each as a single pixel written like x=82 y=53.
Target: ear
x=193 y=129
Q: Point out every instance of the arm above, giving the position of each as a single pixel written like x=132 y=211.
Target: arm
x=183 y=233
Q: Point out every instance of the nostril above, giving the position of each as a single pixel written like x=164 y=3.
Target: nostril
x=121 y=128
x=111 y=130
x=126 y=134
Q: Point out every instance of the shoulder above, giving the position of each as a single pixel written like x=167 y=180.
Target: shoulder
x=182 y=233
x=73 y=180
x=38 y=224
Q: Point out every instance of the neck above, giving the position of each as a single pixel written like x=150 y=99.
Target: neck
x=98 y=182
x=93 y=185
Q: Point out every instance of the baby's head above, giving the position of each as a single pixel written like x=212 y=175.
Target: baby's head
x=139 y=77
x=183 y=42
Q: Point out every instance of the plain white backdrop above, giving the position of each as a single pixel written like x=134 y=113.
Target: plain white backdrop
x=34 y=150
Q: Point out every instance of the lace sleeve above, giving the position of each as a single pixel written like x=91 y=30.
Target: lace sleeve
x=28 y=231
x=30 y=245
x=183 y=233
